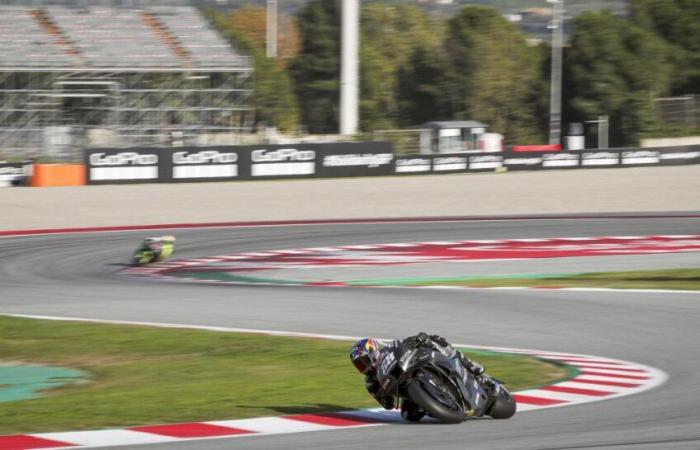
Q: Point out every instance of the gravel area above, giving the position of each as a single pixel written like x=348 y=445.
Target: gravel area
x=554 y=192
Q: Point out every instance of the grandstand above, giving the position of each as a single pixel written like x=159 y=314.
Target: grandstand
x=72 y=76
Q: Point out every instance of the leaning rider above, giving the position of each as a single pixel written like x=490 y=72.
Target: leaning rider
x=162 y=247
x=366 y=354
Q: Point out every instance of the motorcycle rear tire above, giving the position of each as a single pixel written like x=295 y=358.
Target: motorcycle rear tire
x=432 y=406
x=503 y=406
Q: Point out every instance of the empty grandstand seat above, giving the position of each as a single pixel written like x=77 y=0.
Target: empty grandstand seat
x=112 y=37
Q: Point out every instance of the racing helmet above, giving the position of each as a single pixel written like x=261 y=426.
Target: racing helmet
x=365 y=354
x=152 y=243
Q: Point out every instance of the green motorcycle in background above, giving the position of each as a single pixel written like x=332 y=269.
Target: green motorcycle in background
x=153 y=250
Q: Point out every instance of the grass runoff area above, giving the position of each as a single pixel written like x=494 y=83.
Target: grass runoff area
x=679 y=279
x=143 y=375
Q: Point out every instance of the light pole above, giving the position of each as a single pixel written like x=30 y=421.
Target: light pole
x=555 y=89
x=349 y=68
x=271 y=19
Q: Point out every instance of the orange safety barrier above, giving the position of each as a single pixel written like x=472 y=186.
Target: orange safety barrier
x=58 y=175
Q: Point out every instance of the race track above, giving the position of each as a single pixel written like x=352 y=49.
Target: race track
x=75 y=276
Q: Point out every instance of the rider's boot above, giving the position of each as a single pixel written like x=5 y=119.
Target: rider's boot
x=410 y=411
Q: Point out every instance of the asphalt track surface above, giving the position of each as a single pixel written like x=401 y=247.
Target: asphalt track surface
x=74 y=276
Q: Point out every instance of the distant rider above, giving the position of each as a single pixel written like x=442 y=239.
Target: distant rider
x=366 y=355
x=162 y=247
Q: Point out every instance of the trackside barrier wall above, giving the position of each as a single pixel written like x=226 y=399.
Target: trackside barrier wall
x=578 y=159
x=228 y=163
x=58 y=175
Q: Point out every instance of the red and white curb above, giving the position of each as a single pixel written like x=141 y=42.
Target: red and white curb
x=597 y=379
x=403 y=253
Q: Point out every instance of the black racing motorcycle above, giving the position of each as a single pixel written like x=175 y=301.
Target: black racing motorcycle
x=440 y=385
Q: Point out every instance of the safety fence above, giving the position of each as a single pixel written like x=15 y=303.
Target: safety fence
x=230 y=163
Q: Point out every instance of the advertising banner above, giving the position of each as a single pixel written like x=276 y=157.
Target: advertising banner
x=342 y=159
x=560 y=160
x=679 y=155
x=599 y=158
x=450 y=163
x=443 y=163
x=346 y=159
x=490 y=162
x=521 y=161
x=270 y=161
x=12 y=174
x=189 y=164
x=123 y=165
x=414 y=164
x=639 y=157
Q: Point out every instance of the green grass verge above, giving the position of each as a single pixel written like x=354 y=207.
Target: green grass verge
x=679 y=279
x=143 y=375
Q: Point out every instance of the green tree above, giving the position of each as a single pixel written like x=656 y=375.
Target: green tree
x=390 y=35
x=316 y=69
x=678 y=23
x=273 y=91
x=422 y=89
x=494 y=74
x=615 y=69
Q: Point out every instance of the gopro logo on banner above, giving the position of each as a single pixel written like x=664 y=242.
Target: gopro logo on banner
x=283 y=154
x=640 y=157
x=413 y=165
x=123 y=159
x=560 y=160
x=365 y=159
x=283 y=162
x=204 y=157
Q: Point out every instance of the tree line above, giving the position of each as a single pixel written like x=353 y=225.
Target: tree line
x=415 y=67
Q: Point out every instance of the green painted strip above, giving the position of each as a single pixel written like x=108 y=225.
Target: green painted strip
x=22 y=382
x=227 y=276
x=571 y=371
x=418 y=280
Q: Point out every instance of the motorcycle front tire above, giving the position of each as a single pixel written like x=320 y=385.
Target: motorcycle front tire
x=503 y=406
x=432 y=406
x=142 y=258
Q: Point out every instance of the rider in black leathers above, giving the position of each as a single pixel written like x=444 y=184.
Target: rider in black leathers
x=366 y=360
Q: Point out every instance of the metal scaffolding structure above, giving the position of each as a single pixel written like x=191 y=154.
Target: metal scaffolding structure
x=81 y=76
x=48 y=113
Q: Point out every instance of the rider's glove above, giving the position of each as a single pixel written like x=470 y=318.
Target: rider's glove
x=419 y=340
x=477 y=369
x=439 y=340
x=472 y=366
